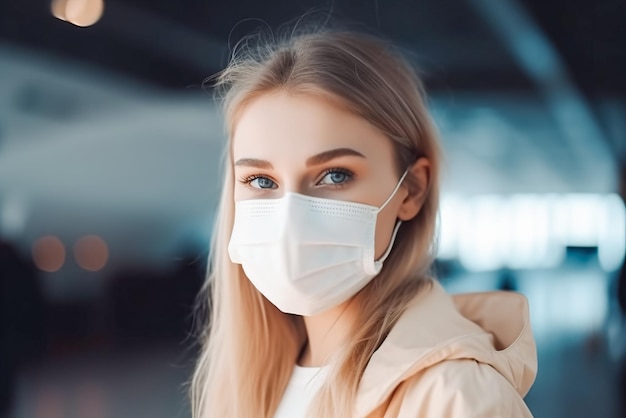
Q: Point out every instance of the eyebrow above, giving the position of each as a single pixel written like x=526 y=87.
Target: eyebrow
x=317 y=159
x=254 y=162
x=329 y=155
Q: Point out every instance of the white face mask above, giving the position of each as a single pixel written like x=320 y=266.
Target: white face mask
x=307 y=254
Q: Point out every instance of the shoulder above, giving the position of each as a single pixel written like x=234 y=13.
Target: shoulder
x=460 y=388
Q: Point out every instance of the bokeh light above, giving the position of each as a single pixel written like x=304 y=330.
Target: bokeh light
x=91 y=253
x=526 y=231
x=48 y=253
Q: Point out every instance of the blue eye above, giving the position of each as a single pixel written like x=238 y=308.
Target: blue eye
x=336 y=176
x=262 y=183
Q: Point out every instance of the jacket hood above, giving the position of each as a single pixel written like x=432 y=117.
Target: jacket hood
x=488 y=327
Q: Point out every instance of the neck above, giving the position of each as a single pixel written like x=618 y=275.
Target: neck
x=326 y=333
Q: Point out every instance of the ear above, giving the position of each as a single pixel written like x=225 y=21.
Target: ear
x=417 y=186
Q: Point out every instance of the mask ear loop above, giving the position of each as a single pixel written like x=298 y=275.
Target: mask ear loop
x=398 y=223
x=391 y=241
x=395 y=190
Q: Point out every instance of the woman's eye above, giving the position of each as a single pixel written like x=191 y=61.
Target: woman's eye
x=262 y=183
x=336 y=177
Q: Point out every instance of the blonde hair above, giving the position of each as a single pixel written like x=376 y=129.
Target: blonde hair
x=250 y=348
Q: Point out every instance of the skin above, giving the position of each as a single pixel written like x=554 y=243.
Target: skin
x=285 y=142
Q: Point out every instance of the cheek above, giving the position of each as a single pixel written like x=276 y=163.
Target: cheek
x=237 y=192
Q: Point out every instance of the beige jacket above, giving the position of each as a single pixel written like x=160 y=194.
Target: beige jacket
x=462 y=356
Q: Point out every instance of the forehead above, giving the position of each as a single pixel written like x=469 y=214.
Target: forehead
x=281 y=125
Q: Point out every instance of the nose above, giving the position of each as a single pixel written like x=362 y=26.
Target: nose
x=295 y=184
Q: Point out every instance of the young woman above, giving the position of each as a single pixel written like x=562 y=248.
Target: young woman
x=321 y=302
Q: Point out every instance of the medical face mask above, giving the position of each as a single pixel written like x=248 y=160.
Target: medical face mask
x=307 y=254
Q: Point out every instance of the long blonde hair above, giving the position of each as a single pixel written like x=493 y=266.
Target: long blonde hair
x=250 y=347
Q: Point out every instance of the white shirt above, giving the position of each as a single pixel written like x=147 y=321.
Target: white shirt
x=302 y=387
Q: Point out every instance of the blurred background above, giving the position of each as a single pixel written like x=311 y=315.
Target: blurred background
x=109 y=172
